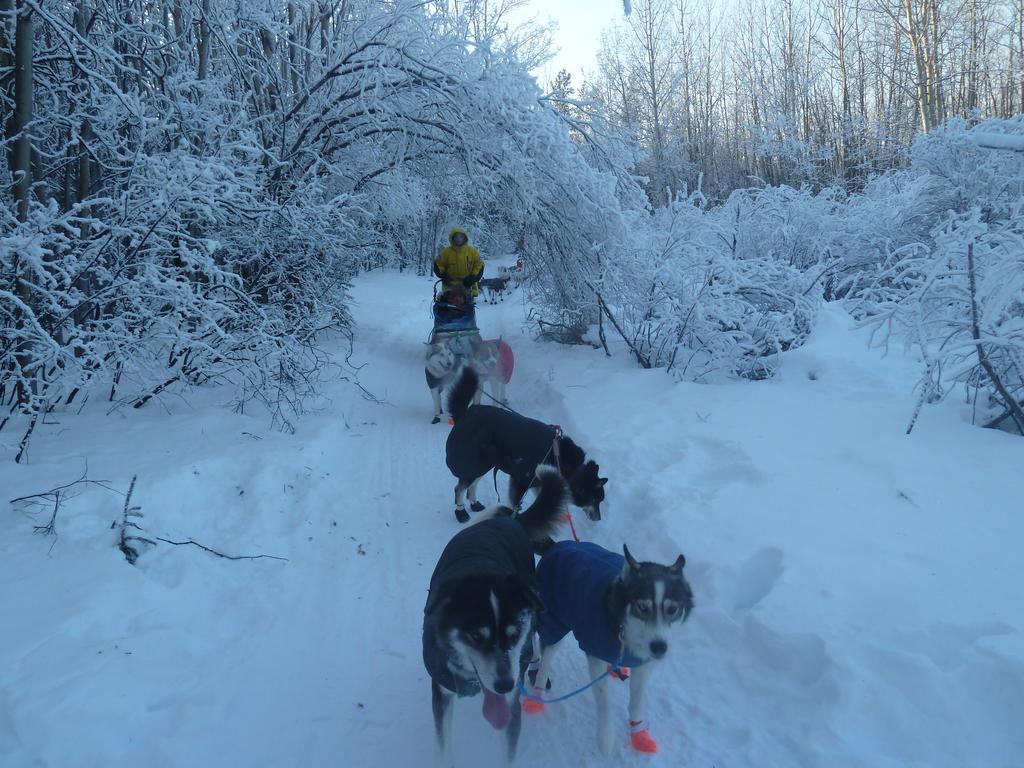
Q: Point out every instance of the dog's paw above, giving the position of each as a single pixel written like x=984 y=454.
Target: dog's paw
x=620 y=673
x=436 y=420
x=476 y=506
x=532 y=707
x=461 y=515
x=642 y=742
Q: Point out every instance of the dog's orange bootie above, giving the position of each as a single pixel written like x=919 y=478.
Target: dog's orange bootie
x=621 y=673
x=641 y=739
x=532 y=707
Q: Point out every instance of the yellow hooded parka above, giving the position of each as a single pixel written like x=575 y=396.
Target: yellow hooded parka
x=457 y=262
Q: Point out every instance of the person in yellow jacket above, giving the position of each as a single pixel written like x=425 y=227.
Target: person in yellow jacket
x=460 y=263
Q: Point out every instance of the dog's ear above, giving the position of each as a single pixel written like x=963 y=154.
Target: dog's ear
x=677 y=566
x=631 y=563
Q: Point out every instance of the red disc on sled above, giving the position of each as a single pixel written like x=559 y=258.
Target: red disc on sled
x=506 y=361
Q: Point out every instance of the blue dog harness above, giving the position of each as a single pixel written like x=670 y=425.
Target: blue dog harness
x=573 y=579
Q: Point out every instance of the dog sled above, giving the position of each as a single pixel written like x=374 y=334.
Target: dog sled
x=455 y=322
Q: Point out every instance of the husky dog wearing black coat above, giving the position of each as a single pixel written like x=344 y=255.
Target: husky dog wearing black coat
x=481 y=614
x=486 y=437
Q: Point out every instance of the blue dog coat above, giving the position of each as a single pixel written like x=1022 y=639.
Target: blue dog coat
x=573 y=579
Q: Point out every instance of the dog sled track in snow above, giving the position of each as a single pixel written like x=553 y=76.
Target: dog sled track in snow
x=834 y=623
x=756 y=677
x=403 y=502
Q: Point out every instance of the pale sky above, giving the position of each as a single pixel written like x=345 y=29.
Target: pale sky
x=580 y=23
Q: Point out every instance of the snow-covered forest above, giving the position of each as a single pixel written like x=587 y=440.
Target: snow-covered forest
x=772 y=280
x=193 y=185
x=825 y=92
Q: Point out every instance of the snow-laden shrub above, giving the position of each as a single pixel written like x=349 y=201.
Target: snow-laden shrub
x=210 y=179
x=687 y=301
x=793 y=226
x=978 y=169
x=895 y=212
x=957 y=291
x=202 y=281
x=933 y=252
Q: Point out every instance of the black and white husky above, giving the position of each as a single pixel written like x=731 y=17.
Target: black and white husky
x=620 y=611
x=486 y=437
x=496 y=287
x=442 y=367
x=481 y=613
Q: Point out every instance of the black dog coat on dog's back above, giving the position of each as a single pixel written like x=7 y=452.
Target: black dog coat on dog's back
x=499 y=547
x=487 y=437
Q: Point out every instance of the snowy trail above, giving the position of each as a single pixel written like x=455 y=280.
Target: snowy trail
x=852 y=610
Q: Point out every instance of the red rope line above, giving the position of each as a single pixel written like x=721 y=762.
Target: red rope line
x=558 y=465
x=572 y=527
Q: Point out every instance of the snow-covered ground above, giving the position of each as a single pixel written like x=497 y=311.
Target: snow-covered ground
x=858 y=589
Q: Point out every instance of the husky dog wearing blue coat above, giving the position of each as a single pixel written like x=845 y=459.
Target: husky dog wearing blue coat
x=620 y=612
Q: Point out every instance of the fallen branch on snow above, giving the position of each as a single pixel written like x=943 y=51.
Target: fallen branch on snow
x=127 y=539
x=603 y=306
x=50 y=528
x=132 y=554
x=50 y=494
x=219 y=554
x=55 y=496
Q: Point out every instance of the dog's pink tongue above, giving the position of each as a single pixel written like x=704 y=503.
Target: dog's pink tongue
x=496 y=710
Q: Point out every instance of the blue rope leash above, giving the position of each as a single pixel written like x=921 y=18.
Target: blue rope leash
x=614 y=667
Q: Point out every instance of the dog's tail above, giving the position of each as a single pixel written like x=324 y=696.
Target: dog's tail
x=462 y=393
x=542 y=517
